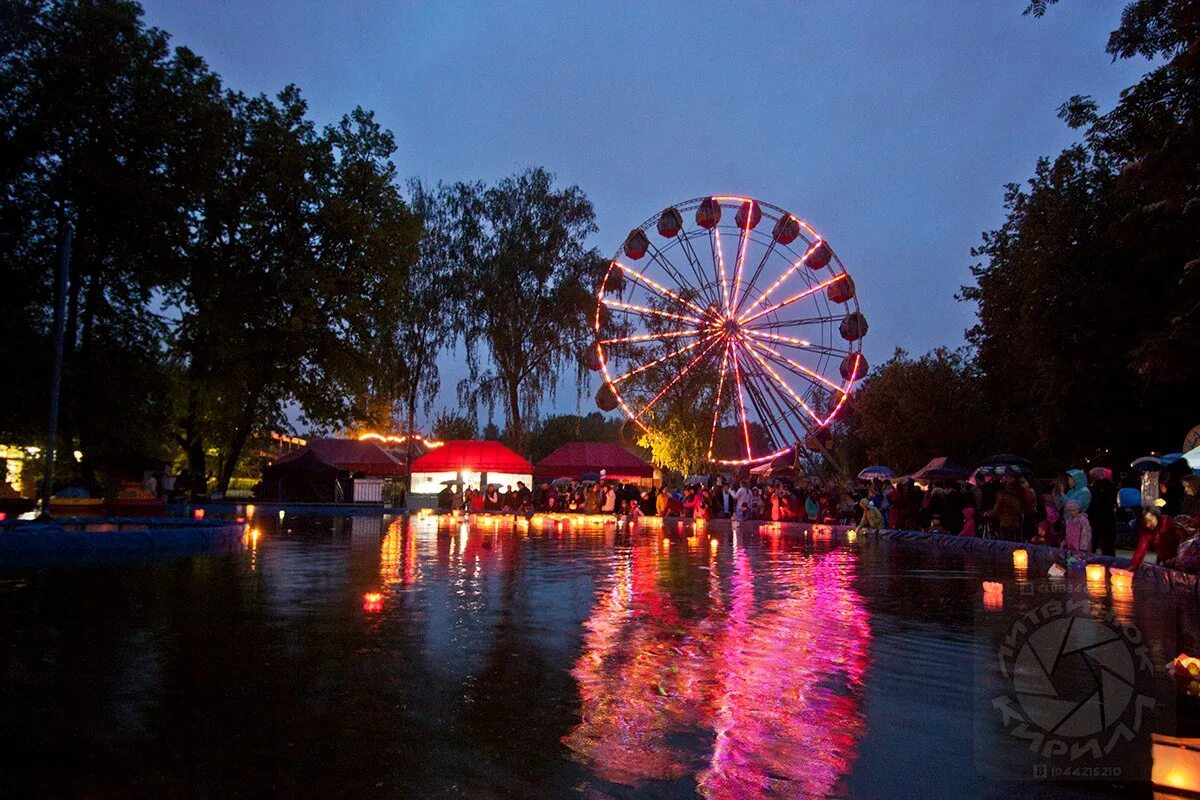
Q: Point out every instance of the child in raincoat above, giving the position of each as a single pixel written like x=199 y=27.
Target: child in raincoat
x=871 y=516
x=1078 y=528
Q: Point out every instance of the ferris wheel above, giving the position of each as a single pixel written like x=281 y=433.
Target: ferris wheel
x=735 y=317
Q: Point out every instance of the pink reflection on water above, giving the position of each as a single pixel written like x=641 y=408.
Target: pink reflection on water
x=769 y=671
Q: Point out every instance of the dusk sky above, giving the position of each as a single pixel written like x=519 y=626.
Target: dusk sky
x=889 y=126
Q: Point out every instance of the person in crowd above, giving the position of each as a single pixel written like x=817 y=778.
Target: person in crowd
x=1172 y=482
x=476 y=501
x=609 y=503
x=1077 y=528
x=935 y=524
x=445 y=498
x=812 y=509
x=1047 y=526
x=953 y=504
x=1156 y=531
x=1007 y=510
x=1029 y=510
x=871 y=517
x=1102 y=513
x=968 y=526
x=491 y=499
x=1077 y=490
x=663 y=503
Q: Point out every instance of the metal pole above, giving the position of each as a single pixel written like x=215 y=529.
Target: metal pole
x=60 y=313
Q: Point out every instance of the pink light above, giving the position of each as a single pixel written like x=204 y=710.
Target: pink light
x=794 y=298
x=775 y=337
x=667 y=357
x=198 y=513
x=647 y=337
x=737 y=375
x=721 y=266
x=717 y=409
x=676 y=379
x=644 y=310
x=741 y=259
x=633 y=273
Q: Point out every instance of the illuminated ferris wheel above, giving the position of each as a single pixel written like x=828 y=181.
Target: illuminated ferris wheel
x=734 y=313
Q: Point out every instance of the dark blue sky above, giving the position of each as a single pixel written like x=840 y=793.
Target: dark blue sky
x=891 y=126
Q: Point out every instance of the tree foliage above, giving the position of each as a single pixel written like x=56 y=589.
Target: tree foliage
x=526 y=278
x=908 y=411
x=449 y=425
x=1089 y=293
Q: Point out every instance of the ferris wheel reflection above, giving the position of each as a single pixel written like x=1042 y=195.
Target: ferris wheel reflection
x=686 y=645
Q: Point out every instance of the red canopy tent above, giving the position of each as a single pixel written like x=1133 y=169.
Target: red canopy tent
x=352 y=455
x=575 y=459
x=472 y=456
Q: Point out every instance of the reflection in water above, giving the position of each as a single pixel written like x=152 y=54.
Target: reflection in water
x=770 y=676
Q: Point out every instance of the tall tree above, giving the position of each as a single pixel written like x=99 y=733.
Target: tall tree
x=297 y=255
x=96 y=115
x=1089 y=293
x=527 y=276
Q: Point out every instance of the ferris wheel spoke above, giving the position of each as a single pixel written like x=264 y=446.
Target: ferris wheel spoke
x=767 y=420
x=743 y=240
x=737 y=375
x=785 y=386
x=762 y=262
x=799 y=321
x=662 y=290
x=668 y=266
x=795 y=265
x=617 y=304
x=810 y=291
x=799 y=369
x=649 y=337
x=714 y=241
x=667 y=357
x=798 y=344
x=703 y=285
x=675 y=380
x=717 y=406
x=786 y=408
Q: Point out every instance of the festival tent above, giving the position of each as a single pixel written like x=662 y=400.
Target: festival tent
x=302 y=476
x=576 y=459
x=363 y=458
x=941 y=469
x=474 y=463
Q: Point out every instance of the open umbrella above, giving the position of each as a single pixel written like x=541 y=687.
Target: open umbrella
x=1007 y=459
x=1168 y=459
x=877 y=472
x=590 y=477
x=560 y=482
x=1147 y=464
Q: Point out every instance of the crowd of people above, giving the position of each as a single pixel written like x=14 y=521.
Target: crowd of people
x=1083 y=512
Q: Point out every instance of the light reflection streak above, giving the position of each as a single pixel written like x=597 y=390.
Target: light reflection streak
x=774 y=672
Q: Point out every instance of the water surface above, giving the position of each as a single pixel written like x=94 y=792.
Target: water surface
x=364 y=657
